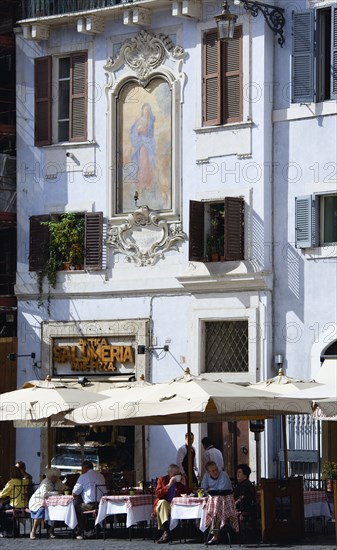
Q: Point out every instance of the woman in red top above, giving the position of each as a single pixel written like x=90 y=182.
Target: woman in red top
x=169 y=486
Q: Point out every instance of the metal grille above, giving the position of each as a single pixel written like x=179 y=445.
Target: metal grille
x=226 y=346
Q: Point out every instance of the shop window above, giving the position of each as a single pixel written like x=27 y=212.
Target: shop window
x=226 y=346
x=316 y=220
x=41 y=240
x=217 y=230
x=222 y=79
x=314 y=59
x=67 y=76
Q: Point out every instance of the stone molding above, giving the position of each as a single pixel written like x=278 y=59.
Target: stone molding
x=145 y=236
x=144 y=53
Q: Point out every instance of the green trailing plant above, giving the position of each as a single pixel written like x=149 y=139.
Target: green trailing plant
x=329 y=470
x=66 y=245
x=67 y=236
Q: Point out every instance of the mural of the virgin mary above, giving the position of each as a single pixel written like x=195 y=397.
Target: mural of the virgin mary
x=145 y=135
x=143 y=148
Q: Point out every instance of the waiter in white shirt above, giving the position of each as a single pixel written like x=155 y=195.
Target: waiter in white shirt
x=87 y=492
x=182 y=459
x=211 y=454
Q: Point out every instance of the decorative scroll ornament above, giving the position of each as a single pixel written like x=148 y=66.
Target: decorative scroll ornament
x=145 y=236
x=145 y=52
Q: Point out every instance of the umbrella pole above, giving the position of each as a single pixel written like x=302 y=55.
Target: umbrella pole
x=189 y=452
x=144 y=455
x=334 y=483
x=285 y=445
x=49 y=442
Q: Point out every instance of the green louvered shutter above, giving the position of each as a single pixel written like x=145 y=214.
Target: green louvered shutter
x=303 y=56
x=304 y=222
x=333 y=94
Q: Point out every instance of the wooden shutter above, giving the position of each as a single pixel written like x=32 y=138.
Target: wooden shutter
x=78 y=96
x=304 y=222
x=93 y=240
x=333 y=94
x=211 y=96
x=234 y=228
x=39 y=241
x=43 y=100
x=232 y=78
x=197 y=231
x=303 y=56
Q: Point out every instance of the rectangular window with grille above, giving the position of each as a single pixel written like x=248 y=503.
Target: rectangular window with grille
x=40 y=240
x=222 y=79
x=216 y=231
x=226 y=346
x=67 y=77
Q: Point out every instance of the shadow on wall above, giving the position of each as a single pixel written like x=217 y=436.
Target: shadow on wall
x=165 y=451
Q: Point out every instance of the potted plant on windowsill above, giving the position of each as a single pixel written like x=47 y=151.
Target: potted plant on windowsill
x=329 y=473
x=67 y=235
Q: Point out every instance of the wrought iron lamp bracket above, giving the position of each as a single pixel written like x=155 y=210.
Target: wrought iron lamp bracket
x=273 y=15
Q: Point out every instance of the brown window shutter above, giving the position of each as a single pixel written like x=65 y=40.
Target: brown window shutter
x=39 y=241
x=78 y=96
x=196 y=233
x=93 y=240
x=43 y=100
x=232 y=78
x=211 y=96
x=234 y=228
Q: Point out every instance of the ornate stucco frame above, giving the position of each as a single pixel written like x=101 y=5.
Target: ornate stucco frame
x=141 y=58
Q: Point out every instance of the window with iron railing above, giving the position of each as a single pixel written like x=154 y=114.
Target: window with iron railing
x=45 y=8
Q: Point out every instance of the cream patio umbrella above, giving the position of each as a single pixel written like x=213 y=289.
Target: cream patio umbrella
x=286 y=386
x=188 y=399
x=44 y=401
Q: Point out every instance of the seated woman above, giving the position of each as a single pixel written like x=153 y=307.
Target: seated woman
x=15 y=492
x=169 y=486
x=244 y=492
x=50 y=484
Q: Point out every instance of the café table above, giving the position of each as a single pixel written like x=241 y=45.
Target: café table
x=316 y=504
x=136 y=507
x=186 y=507
x=60 y=508
x=205 y=509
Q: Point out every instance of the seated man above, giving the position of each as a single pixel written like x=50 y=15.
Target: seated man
x=244 y=492
x=169 y=486
x=217 y=480
x=87 y=492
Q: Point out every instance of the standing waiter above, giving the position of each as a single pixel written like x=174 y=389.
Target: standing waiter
x=182 y=458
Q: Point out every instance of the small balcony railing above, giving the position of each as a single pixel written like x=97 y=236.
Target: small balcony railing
x=45 y=8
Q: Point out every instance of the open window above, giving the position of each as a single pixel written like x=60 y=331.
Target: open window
x=217 y=230
x=316 y=220
x=314 y=55
x=41 y=241
x=63 y=80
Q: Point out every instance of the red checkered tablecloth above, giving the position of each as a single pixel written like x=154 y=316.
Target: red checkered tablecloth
x=222 y=507
x=314 y=496
x=189 y=501
x=131 y=500
x=58 y=500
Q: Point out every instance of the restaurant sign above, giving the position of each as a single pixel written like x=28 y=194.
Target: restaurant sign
x=92 y=355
